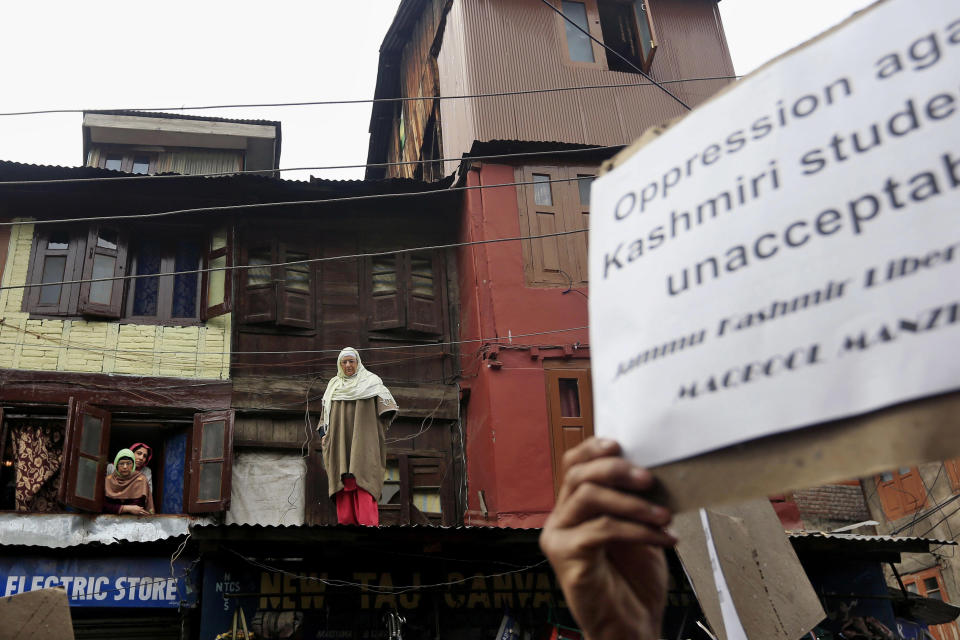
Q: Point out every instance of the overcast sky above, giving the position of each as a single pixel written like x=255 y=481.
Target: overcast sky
x=120 y=54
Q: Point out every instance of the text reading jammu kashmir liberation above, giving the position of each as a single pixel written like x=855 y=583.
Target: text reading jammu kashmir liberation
x=892 y=270
x=896 y=193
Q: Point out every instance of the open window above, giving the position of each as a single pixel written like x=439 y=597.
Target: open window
x=624 y=26
x=85 y=454
x=276 y=292
x=216 y=284
x=211 y=461
x=106 y=253
x=106 y=257
x=406 y=292
x=192 y=473
x=569 y=413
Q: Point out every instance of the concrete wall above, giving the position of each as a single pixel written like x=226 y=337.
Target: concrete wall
x=86 y=346
x=508 y=446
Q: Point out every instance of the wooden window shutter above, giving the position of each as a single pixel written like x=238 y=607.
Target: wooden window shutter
x=569 y=412
x=55 y=257
x=105 y=257
x=85 y=457
x=387 y=310
x=544 y=203
x=211 y=461
x=912 y=490
x=579 y=218
x=953 y=472
x=295 y=300
x=423 y=282
x=431 y=490
x=259 y=302
x=217 y=286
x=889 y=493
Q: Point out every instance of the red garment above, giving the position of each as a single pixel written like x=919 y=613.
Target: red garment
x=356 y=505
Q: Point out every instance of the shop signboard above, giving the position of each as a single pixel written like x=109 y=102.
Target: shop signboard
x=103 y=582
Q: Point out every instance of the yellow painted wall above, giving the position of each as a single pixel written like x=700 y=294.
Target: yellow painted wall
x=86 y=346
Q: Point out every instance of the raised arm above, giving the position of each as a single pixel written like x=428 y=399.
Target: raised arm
x=606 y=542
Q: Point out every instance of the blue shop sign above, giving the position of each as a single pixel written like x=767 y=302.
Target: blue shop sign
x=103 y=582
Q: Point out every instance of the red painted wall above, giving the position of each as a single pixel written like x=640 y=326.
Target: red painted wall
x=508 y=446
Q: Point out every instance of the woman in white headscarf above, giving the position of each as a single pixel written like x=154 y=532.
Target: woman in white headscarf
x=357 y=411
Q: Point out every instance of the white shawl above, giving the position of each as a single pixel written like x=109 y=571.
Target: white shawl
x=363 y=384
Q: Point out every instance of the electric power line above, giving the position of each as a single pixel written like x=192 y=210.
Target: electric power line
x=310 y=103
x=285 y=203
x=355 y=256
x=170 y=176
x=418 y=345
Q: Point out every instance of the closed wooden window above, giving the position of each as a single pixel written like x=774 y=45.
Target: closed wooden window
x=405 y=291
x=625 y=27
x=282 y=294
x=555 y=200
x=569 y=412
x=901 y=492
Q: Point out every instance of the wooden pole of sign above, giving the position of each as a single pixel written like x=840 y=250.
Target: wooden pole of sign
x=926 y=430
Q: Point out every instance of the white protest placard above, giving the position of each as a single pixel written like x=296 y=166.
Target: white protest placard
x=788 y=253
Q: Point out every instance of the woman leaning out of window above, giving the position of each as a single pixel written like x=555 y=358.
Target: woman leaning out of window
x=126 y=489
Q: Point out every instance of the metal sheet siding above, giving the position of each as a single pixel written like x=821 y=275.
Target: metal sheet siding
x=518 y=44
x=456 y=116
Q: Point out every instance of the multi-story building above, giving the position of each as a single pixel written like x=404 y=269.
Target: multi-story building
x=566 y=85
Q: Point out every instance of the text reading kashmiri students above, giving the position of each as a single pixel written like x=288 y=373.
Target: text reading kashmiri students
x=357 y=411
x=606 y=544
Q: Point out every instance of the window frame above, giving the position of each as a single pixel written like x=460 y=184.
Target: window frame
x=917 y=580
x=81 y=251
x=165 y=289
x=893 y=494
x=556 y=422
x=276 y=296
x=571 y=251
x=112 y=309
x=410 y=311
x=127 y=159
x=76 y=410
x=193 y=504
x=595 y=24
x=404 y=512
x=73 y=269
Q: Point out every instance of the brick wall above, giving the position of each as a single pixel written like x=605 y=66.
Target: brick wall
x=835 y=502
x=84 y=346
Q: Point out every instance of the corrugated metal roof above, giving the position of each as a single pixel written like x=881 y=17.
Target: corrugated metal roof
x=182 y=116
x=866 y=538
x=62 y=530
x=12 y=170
x=268 y=527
